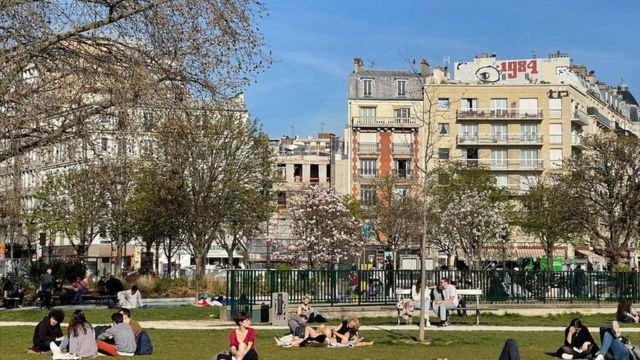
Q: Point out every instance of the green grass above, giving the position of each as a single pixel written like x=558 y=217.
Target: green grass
x=100 y=316
x=389 y=345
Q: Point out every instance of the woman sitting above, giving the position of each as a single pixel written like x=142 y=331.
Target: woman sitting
x=241 y=340
x=626 y=313
x=415 y=296
x=305 y=309
x=578 y=342
x=346 y=334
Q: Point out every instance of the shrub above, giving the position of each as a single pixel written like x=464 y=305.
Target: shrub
x=67 y=270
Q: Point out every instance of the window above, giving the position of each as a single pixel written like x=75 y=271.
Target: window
x=502 y=181
x=282 y=171
x=105 y=144
x=443 y=128
x=443 y=153
x=499 y=158
x=368 y=168
x=555 y=156
x=403 y=113
x=529 y=158
x=528 y=107
x=528 y=132
x=443 y=103
x=369 y=112
x=367 y=87
x=469 y=104
x=555 y=133
x=402 y=87
x=401 y=192
x=469 y=132
x=499 y=132
x=555 y=108
x=403 y=168
x=367 y=196
x=499 y=107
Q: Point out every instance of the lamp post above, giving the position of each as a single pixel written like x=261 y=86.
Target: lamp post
x=50 y=247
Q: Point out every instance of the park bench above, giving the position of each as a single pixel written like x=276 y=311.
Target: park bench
x=477 y=308
x=8 y=301
x=99 y=299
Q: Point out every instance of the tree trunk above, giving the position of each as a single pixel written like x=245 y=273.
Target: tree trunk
x=157 y=258
x=119 y=249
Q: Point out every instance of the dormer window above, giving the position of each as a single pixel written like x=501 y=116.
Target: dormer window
x=402 y=87
x=367 y=86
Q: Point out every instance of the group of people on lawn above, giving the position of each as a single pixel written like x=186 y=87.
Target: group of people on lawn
x=122 y=338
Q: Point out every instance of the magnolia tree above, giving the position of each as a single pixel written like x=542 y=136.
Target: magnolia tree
x=327 y=229
x=474 y=221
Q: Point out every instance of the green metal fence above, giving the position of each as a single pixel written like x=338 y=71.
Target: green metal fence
x=246 y=288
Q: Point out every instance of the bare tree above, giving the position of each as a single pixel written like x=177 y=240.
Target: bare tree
x=62 y=63
x=605 y=179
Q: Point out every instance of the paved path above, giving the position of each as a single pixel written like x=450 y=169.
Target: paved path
x=220 y=325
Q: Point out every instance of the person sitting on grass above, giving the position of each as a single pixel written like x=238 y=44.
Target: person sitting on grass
x=346 y=334
x=303 y=338
x=48 y=331
x=510 y=351
x=126 y=318
x=80 y=342
x=297 y=325
x=626 y=313
x=305 y=309
x=122 y=335
x=130 y=299
x=241 y=340
x=578 y=342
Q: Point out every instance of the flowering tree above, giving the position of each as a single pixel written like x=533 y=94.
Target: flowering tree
x=327 y=229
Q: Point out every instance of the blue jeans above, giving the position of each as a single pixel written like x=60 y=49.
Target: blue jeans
x=64 y=345
x=612 y=348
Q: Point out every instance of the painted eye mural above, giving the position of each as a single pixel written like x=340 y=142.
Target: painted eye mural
x=488 y=74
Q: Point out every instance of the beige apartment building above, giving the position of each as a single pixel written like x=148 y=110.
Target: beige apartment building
x=519 y=118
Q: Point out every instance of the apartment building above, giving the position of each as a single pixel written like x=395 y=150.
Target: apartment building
x=519 y=118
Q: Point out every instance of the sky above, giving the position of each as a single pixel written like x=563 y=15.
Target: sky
x=313 y=44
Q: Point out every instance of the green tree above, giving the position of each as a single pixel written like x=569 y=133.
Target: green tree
x=546 y=213
x=605 y=180
x=72 y=204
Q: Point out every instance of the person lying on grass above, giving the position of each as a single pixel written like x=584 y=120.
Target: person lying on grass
x=346 y=334
x=308 y=335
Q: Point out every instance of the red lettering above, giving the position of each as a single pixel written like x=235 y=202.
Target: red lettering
x=522 y=66
x=533 y=66
x=512 y=67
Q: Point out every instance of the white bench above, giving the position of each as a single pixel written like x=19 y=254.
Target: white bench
x=477 y=293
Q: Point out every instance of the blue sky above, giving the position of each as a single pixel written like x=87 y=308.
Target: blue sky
x=314 y=42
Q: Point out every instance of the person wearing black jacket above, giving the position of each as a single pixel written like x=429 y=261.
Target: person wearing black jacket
x=48 y=330
x=47 y=285
x=578 y=342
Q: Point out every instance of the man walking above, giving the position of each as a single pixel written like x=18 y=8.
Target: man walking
x=450 y=301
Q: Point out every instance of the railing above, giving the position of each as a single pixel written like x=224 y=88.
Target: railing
x=499 y=114
x=375 y=121
x=500 y=139
x=580 y=117
x=246 y=288
x=367 y=173
x=401 y=148
x=576 y=140
x=403 y=173
x=368 y=148
x=601 y=119
x=506 y=164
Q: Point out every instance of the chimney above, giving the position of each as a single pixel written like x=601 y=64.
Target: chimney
x=591 y=77
x=357 y=65
x=424 y=67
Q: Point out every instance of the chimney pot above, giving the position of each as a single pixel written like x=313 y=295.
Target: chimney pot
x=424 y=68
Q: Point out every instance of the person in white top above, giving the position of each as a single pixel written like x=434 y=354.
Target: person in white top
x=130 y=299
x=415 y=296
x=450 y=301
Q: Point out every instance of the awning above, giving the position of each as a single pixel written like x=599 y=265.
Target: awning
x=532 y=251
x=591 y=254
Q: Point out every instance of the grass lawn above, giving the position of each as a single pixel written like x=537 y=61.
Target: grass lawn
x=390 y=345
x=102 y=316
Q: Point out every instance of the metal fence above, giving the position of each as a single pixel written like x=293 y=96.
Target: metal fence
x=248 y=287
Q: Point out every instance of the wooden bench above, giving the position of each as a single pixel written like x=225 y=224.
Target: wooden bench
x=8 y=301
x=477 y=308
x=99 y=299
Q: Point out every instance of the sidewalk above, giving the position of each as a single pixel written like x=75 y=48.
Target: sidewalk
x=220 y=325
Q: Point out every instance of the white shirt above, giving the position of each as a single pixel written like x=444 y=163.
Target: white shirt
x=128 y=300
x=450 y=291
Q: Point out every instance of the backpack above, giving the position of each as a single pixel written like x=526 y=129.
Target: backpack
x=144 y=346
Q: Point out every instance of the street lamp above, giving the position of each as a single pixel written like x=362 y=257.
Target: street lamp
x=50 y=246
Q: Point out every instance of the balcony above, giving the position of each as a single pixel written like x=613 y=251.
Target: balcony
x=403 y=173
x=401 y=149
x=507 y=164
x=384 y=122
x=499 y=114
x=499 y=139
x=368 y=148
x=601 y=119
x=578 y=142
x=367 y=173
x=580 y=117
